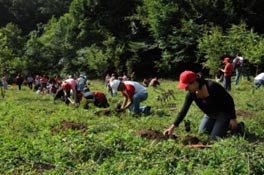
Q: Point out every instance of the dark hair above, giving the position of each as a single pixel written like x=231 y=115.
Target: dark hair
x=200 y=79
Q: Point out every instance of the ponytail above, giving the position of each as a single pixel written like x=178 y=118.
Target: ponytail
x=200 y=79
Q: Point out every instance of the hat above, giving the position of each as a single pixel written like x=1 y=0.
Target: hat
x=226 y=60
x=114 y=85
x=186 y=78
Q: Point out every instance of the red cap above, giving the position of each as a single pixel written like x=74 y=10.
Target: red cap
x=186 y=78
x=226 y=60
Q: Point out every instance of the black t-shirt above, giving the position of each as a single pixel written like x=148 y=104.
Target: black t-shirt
x=218 y=101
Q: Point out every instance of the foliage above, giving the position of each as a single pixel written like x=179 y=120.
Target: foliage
x=109 y=144
x=162 y=35
x=11 y=43
x=216 y=44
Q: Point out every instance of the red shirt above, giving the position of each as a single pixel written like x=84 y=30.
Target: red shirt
x=130 y=90
x=100 y=96
x=228 y=69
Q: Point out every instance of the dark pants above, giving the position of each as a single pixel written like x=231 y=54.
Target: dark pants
x=216 y=126
x=19 y=86
x=227 y=82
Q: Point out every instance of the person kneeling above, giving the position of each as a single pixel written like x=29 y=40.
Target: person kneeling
x=97 y=98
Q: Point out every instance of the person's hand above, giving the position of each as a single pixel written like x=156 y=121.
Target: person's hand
x=233 y=123
x=120 y=110
x=169 y=131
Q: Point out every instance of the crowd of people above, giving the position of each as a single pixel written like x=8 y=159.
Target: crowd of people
x=210 y=96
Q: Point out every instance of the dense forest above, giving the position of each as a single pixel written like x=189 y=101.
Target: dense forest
x=150 y=37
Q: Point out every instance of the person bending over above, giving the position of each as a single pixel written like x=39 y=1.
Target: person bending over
x=134 y=93
x=213 y=100
x=96 y=97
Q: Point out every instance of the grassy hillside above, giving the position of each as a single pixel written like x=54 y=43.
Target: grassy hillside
x=40 y=137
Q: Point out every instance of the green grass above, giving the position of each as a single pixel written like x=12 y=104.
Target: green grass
x=109 y=145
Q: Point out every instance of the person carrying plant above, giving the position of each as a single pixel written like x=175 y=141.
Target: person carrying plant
x=134 y=93
x=213 y=100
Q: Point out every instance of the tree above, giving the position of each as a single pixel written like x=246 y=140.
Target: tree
x=216 y=44
x=11 y=44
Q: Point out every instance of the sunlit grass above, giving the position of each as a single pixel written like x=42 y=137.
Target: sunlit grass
x=109 y=145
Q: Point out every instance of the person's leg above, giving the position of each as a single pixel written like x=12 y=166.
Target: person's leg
x=225 y=82
x=137 y=98
x=237 y=76
x=228 y=82
x=220 y=127
x=206 y=124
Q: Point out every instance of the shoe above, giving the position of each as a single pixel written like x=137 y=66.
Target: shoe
x=147 y=110
x=240 y=128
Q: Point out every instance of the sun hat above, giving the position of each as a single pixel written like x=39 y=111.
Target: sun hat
x=114 y=85
x=226 y=60
x=186 y=78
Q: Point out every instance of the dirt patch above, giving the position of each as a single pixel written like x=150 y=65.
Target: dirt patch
x=153 y=135
x=188 y=139
x=65 y=125
x=244 y=114
x=159 y=136
x=42 y=167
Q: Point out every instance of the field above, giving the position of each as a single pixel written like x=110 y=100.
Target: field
x=40 y=137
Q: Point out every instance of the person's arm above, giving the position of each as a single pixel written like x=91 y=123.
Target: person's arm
x=126 y=101
x=181 y=115
x=224 y=70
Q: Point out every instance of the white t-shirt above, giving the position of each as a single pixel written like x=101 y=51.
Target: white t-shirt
x=241 y=59
x=260 y=76
x=138 y=87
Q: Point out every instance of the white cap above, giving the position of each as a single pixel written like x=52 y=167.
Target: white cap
x=114 y=85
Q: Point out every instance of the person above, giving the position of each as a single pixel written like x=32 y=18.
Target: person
x=4 y=82
x=133 y=93
x=238 y=67
x=107 y=79
x=154 y=82
x=36 y=83
x=98 y=98
x=70 y=85
x=228 y=70
x=259 y=80
x=19 y=81
x=30 y=81
x=43 y=83
x=213 y=100
x=81 y=83
x=145 y=82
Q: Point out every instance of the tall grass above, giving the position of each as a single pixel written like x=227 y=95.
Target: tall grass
x=109 y=145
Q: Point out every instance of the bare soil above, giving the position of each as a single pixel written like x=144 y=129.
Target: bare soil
x=65 y=125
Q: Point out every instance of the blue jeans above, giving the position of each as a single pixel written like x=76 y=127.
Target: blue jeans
x=137 y=98
x=238 y=73
x=216 y=126
x=258 y=83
